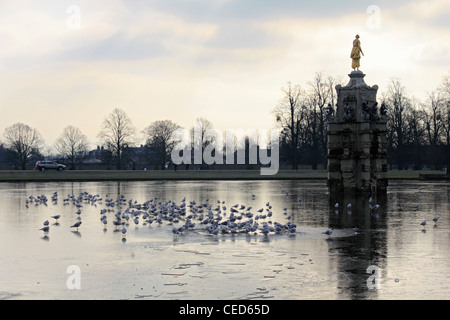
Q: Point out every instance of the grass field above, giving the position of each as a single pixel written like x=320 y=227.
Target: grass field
x=103 y=175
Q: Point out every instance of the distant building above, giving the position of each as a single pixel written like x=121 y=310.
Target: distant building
x=95 y=156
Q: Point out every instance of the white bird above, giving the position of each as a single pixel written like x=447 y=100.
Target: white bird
x=76 y=225
x=45 y=229
x=336 y=205
x=349 y=205
x=435 y=219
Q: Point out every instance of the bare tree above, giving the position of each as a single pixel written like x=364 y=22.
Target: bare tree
x=22 y=142
x=445 y=118
x=72 y=144
x=398 y=105
x=117 y=133
x=289 y=114
x=321 y=93
x=433 y=111
x=200 y=139
x=159 y=136
x=332 y=82
x=415 y=133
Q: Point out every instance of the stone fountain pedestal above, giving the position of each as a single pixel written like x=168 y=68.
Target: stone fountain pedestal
x=356 y=130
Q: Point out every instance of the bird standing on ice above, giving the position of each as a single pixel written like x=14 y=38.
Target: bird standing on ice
x=423 y=223
x=76 y=225
x=435 y=219
x=45 y=229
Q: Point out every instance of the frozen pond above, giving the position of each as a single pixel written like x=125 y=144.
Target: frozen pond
x=150 y=262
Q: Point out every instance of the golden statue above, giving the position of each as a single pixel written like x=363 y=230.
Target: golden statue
x=355 y=55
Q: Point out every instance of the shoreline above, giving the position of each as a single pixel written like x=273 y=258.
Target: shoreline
x=138 y=175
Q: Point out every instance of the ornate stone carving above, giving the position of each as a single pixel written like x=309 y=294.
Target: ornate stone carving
x=356 y=138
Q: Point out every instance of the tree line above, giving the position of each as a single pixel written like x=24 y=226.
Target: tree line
x=418 y=131
x=22 y=143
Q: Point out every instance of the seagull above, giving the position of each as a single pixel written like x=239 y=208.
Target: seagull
x=423 y=223
x=336 y=205
x=56 y=217
x=117 y=222
x=76 y=225
x=45 y=229
x=435 y=219
x=46 y=223
x=349 y=205
x=265 y=231
x=328 y=232
x=124 y=231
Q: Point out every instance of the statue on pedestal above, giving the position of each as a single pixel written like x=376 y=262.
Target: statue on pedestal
x=383 y=110
x=357 y=136
x=330 y=112
x=348 y=113
x=366 y=111
x=356 y=53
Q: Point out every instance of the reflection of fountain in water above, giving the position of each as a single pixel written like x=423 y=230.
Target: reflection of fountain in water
x=363 y=214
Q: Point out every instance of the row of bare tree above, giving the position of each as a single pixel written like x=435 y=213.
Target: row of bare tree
x=117 y=135
x=418 y=132
x=301 y=114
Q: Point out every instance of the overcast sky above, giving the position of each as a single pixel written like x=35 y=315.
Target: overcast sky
x=72 y=62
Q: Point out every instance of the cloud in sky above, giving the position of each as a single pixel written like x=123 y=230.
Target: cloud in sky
x=224 y=60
